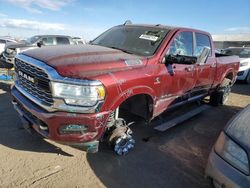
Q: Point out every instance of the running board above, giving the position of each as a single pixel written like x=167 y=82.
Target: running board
x=175 y=121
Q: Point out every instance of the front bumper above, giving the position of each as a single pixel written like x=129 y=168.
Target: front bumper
x=243 y=72
x=10 y=60
x=225 y=175
x=38 y=119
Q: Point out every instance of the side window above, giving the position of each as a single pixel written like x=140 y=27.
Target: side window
x=48 y=41
x=62 y=40
x=202 y=41
x=182 y=44
x=2 y=41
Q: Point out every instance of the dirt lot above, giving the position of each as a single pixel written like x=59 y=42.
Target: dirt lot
x=176 y=158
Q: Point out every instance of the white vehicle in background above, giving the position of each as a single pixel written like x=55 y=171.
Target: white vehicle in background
x=79 y=40
x=12 y=49
x=244 y=54
x=3 y=41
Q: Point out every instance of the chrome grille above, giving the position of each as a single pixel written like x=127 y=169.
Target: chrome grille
x=40 y=88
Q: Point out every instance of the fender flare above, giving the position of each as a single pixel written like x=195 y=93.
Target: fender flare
x=228 y=72
x=130 y=92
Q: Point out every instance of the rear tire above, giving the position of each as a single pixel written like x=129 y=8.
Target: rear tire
x=247 y=80
x=220 y=96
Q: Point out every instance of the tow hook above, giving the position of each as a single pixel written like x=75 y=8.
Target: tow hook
x=121 y=139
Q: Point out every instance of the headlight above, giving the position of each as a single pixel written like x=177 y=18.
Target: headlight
x=232 y=153
x=77 y=94
x=243 y=64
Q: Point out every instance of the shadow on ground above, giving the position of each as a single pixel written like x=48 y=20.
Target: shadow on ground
x=175 y=158
x=241 y=88
x=13 y=135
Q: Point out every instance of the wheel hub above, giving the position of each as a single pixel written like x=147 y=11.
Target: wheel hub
x=121 y=140
x=124 y=144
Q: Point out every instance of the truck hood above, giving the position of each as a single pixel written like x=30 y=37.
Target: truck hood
x=85 y=61
x=242 y=60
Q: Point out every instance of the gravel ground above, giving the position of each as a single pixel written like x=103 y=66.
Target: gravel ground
x=175 y=158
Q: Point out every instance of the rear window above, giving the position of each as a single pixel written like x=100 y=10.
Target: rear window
x=239 y=128
x=62 y=40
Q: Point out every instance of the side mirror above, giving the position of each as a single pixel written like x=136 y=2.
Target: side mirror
x=40 y=44
x=179 y=59
x=202 y=58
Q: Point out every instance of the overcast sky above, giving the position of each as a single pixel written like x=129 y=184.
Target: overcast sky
x=24 y=18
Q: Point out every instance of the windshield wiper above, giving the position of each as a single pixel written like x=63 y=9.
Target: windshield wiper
x=126 y=51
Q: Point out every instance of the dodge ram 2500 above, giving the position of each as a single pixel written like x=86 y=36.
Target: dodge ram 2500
x=73 y=94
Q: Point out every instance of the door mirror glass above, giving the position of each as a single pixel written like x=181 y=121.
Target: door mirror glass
x=202 y=58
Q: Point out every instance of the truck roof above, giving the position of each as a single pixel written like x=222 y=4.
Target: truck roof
x=167 y=27
x=52 y=36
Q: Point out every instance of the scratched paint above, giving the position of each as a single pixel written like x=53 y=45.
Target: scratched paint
x=121 y=81
x=128 y=93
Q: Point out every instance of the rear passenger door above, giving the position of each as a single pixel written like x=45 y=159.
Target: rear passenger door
x=205 y=72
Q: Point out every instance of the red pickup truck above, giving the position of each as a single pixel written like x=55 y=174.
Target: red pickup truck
x=74 y=94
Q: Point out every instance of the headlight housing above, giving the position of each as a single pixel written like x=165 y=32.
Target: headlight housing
x=78 y=95
x=244 y=64
x=232 y=153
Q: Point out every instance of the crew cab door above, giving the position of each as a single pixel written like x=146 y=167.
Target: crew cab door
x=205 y=72
x=48 y=41
x=177 y=79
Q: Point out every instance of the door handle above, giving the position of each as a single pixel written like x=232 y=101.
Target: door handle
x=189 y=69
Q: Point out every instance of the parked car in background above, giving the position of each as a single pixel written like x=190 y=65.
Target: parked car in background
x=12 y=49
x=78 y=40
x=228 y=163
x=244 y=54
x=4 y=41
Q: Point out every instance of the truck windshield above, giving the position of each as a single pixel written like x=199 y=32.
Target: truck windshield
x=132 y=39
x=241 y=52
